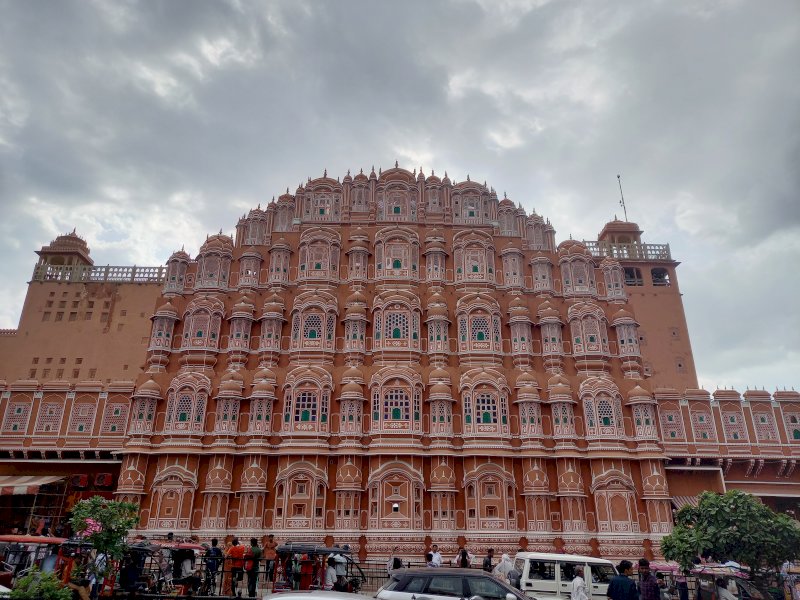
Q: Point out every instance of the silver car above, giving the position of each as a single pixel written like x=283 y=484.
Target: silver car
x=446 y=584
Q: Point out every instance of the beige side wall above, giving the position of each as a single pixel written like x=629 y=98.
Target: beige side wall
x=103 y=327
x=662 y=322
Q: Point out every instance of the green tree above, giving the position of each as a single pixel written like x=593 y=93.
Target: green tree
x=735 y=526
x=105 y=525
x=36 y=585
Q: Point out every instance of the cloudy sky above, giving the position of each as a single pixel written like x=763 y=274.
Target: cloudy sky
x=147 y=125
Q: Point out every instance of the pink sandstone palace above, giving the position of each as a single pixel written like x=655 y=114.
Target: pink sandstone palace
x=386 y=360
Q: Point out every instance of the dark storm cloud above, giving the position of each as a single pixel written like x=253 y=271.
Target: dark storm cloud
x=149 y=124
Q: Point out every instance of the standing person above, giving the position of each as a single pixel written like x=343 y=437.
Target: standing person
x=487 y=560
x=503 y=568
x=394 y=561
x=578 y=588
x=270 y=555
x=683 y=585
x=622 y=587
x=213 y=559
x=463 y=558
x=330 y=574
x=226 y=571
x=723 y=593
x=437 y=556
x=253 y=556
x=648 y=586
x=236 y=554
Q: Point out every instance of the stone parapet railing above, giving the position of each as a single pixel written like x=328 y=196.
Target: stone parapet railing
x=89 y=274
x=629 y=251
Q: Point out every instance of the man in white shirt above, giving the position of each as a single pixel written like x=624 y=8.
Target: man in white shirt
x=578 y=588
x=330 y=574
x=723 y=593
x=437 y=556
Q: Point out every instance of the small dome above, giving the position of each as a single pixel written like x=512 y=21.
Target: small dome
x=180 y=255
x=230 y=387
x=443 y=476
x=558 y=379
x=439 y=374
x=233 y=376
x=264 y=374
x=526 y=378
x=355 y=310
x=432 y=178
x=219 y=243
x=361 y=176
x=254 y=477
x=353 y=374
x=440 y=389
x=263 y=388
x=352 y=389
x=149 y=388
x=166 y=310
x=347 y=178
x=640 y=393
x=244 y=307
x=356 y=297
x=622 y=316
x=437 y=311
x=348 y=474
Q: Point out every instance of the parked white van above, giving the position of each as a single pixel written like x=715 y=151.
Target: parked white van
x=549 y=576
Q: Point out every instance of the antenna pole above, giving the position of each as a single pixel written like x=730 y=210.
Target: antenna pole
x=622 y=198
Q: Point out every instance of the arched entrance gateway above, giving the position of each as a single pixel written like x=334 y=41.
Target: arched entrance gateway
x=391 y=359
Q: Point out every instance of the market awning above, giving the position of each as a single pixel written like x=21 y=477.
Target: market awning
x=681 y=501
x=25 y=484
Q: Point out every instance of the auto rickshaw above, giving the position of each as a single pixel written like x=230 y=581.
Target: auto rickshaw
x=20 y=553
x=301 y=566
x=161 y=566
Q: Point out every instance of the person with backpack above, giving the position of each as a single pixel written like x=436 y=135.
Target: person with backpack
x=252 y=558
x=213 y=560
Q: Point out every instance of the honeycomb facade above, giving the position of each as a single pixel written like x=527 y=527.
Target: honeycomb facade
x=394 y=360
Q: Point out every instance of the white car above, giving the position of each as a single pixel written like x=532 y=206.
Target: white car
x=446 y=584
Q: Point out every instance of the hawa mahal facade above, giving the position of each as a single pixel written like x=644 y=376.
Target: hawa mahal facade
x=386 y=360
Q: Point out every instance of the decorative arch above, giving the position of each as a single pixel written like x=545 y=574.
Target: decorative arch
x=602 y=408
x=173 y=492
x=473 y=251
x=214 y=262
x=615 y=500
x=201 y=324
x=472 y=204
x=307 y=394
x=479 y=325
x=300 y=492
x=397 y=196
x=484 y=397
x=319 y=254
x=396 y=321
x=186 y=404
x=395 y=493
x=396 y=253
x=396 y=401
x=322 y=200
x=314 y=317
x=589 y=329
x=490 y=492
